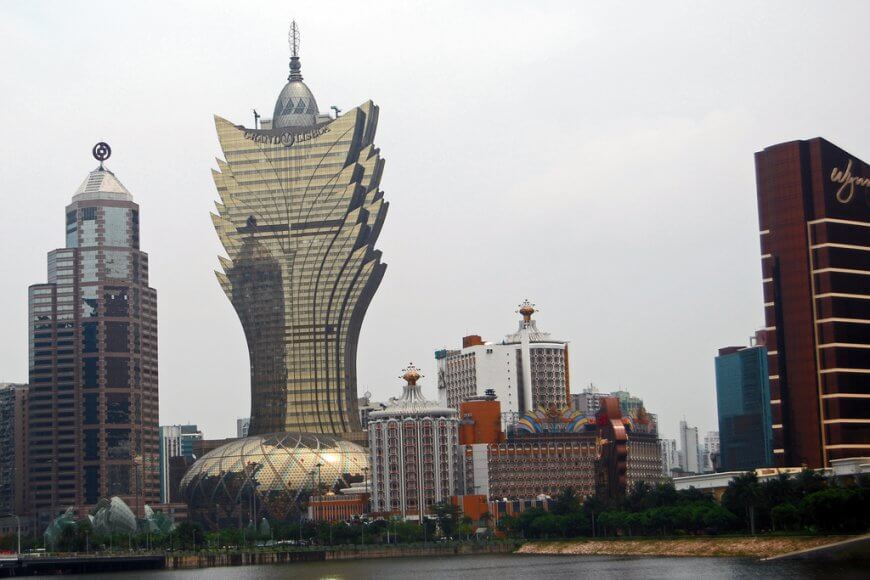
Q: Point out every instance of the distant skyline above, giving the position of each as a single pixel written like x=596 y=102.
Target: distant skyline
x=596 y=159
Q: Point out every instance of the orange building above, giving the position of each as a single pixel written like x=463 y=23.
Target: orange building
x=336 y=508
x=480 y=420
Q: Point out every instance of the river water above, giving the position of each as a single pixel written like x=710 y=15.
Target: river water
x=512 y=567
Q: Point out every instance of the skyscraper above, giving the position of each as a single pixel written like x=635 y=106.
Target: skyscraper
x=93 y=427
x=299 y=215
x=13 y=448
x=690 y=452
x=175 y=441
x=814 y=216
x=743 y=402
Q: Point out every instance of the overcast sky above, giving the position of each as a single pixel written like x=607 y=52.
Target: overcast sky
x=596 y=158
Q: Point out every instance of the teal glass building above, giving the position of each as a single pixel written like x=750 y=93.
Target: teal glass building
x=743 y=399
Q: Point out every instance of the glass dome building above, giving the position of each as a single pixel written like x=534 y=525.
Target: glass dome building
x=269 y=476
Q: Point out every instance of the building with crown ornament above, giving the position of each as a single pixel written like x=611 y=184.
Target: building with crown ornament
x=413 y=450
x=527 y=370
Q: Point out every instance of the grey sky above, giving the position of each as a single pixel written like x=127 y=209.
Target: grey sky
x=596 y=158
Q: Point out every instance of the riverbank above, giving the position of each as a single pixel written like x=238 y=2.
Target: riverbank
x=707 y=546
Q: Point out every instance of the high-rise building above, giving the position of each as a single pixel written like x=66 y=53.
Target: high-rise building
x=13 y=448
x=588 y=401
x=366 y=405
x=93 y=427
x=814 y=216
x=670 y=457
x=690 y=452
x=242 y=427
x=299 y=214
x=527 y=370
x=175 y=441
x=413 y=445
x=743 y=401
x=711 y=452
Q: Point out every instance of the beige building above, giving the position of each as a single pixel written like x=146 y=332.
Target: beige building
x=300 y=211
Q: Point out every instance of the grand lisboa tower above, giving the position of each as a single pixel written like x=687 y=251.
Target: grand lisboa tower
x=299 y=213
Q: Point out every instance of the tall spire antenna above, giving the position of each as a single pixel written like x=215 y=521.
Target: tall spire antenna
x=293 y=38
x=295 y=65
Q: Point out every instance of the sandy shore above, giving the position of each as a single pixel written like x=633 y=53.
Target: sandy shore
x=758 y=547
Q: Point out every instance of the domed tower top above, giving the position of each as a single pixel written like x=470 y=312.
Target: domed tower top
x=527 y=309
x=295 y=106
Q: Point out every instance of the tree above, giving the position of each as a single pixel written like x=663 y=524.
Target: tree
x=448 y=516
x=785 y=516
x=188 y=535
x=742 y=497
x=566 y=502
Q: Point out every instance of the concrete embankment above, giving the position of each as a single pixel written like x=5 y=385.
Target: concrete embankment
x=850 y=549
x=211 y=559
x=748 y=547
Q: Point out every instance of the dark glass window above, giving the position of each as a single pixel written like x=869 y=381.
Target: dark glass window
x=89 y=213
x=119 y=480
x=116 y=337
x=92 y=409
x=89 y=337
x=117 y=302
x=90 y=373
x=118 y=408
x=118 y=443
x=92 y=444
x=117 y=373
x=92 y=484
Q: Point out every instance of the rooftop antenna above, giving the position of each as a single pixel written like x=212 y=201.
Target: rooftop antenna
x=336 y=109
x=256 y=119
x=295 y=65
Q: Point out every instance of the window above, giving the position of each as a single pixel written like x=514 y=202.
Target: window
x=89 y=337
x=115 y=226
x=92 y=444
x=117 y=373
x=92 y=484
x=116 y=337
x=92 y=412
x=118 y=408
x=116 y=301
x=118 y=443
x=90 y=373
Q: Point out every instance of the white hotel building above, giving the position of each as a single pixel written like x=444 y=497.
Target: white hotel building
x=527 y=370
x=413 y=446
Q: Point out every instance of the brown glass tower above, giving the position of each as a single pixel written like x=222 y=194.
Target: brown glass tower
x=814 y=214
x=93 y=426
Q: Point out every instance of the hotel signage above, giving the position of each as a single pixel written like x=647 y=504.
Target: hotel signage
x=847 y=183
x=287 y=138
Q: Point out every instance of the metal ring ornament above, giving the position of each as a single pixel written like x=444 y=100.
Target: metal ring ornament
x=101 y=151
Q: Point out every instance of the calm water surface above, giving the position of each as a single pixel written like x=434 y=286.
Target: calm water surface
x=512 y=567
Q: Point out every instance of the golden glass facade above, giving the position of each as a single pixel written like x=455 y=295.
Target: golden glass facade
x=269 y=476
x=300 y=210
